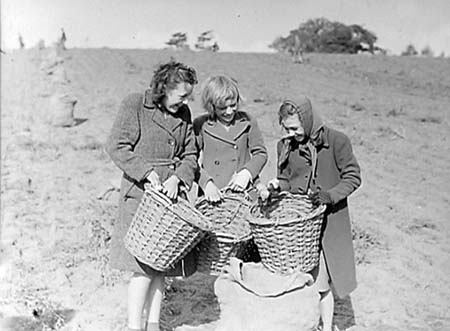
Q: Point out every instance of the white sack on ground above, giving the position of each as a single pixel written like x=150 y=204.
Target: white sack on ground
x=59 y=76
x=252 y=298
x=62 y=107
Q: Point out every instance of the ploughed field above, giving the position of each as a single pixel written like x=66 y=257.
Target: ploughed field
x=58 y=195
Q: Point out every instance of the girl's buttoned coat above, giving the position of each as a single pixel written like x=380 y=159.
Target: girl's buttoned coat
x=338 y=173
x=226 y=152
x=145 y=138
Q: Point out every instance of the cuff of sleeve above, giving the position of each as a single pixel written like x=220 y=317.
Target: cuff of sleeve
x=146 y=174
x=334 y=196
x=253 y=171
x=204 y=179
x=284 y=185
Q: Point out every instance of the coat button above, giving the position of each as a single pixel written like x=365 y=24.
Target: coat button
x=235 y=147
x=172 y=167
x=216 y=162
x=171 y=142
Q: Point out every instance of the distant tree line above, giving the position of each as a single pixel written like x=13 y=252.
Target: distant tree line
x=324 y=36
x=410 y=50
x=205 y=41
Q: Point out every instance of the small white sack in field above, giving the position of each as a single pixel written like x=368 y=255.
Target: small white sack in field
x=59 y=76
x=62 y=107
x=252 y=298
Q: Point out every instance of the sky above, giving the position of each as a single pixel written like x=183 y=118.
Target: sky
x=238 y=25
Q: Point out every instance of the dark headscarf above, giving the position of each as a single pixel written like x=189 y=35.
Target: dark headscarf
x=312 y=125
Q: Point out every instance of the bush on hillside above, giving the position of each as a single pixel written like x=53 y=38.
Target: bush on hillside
x=324 y=36
x=178 y=41
x=409 y=51
x=206 y=42
x=427 y=51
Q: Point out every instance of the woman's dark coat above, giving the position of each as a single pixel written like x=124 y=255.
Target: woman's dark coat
x=142 y=137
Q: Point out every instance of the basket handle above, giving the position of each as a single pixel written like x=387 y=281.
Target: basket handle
x=228 y=189
x=224 y=190
x=168 y=203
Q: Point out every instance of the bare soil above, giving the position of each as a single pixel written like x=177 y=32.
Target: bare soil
x=59 y=196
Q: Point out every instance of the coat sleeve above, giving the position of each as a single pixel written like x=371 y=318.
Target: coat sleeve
x=257 y=150
x=349 y=170
x=124 y=135
x=188 y=167
x=202 y=175
x=283 y=173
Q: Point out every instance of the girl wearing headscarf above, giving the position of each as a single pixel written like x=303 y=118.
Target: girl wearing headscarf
x=317 y=160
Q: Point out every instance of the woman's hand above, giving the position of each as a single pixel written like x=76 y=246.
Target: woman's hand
x=170 y=187
x=240 y=181
x=153 y=181
x=212 y=193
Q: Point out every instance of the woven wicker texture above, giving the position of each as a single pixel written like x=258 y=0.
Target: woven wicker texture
x=287 y=233
x=161 y=232
x=229 y=232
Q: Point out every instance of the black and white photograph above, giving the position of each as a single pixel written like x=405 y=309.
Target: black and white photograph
x=239 y=165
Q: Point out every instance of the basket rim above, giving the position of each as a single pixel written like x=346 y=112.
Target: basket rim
x=226 y=237
x=168 y=203
x=244 y=197
x=264 y=221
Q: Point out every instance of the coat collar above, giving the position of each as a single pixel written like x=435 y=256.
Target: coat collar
x=215 y=129
x=324 y=140
x=167 y=121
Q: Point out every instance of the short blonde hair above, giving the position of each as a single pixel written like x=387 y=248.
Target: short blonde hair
x=216 y=91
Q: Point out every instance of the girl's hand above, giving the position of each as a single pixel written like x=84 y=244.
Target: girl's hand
x=240 y=181
x=320 y=197
x=153 y=181
x=263 y=192
x=170 y=187
x=275 y=183
x=212 y=193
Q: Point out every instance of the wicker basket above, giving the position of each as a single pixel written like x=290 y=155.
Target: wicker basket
x=162 y=232
x=287 y=233
x=229 y=232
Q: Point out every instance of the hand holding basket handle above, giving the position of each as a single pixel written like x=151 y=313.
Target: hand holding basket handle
x=212 y=192
x=320 y=197
x=153 y=181
x=170 y=187
x=239 y=182
x=265 y=194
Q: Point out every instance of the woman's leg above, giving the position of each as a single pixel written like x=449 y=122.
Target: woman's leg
x=137 y=293
x=155 y=296
x=326 y=309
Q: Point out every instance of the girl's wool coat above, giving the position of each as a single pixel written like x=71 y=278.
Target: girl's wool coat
x=228 y=152
x=145 y=138
x=338 y=173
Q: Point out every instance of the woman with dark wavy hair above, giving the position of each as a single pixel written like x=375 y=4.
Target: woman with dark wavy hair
x=153 y=143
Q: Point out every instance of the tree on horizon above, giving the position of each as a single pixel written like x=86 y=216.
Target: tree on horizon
x=178 y=41
x=206 y=41
x=324 y=36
